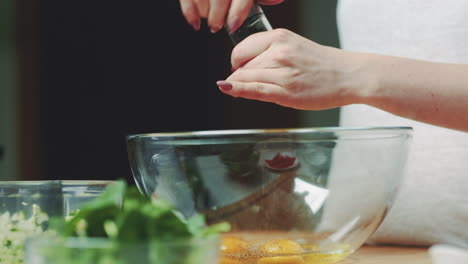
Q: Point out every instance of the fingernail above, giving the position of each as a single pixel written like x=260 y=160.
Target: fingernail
x=214 y=29
x=225 y=86
x=195 y=25
x=233 y=24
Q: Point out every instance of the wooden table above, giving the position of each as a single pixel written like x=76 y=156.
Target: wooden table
x=389 y=255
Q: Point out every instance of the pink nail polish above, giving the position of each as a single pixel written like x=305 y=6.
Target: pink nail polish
x=214 y=29
x=196 y=25
x=225 y=86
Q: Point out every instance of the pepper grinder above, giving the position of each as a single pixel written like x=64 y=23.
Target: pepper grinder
x=255 y=22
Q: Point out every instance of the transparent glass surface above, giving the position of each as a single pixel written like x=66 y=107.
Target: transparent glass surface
x=27 y=206
x=21 y=196
x=76 y=193
x=326 y=189
x=43 y=250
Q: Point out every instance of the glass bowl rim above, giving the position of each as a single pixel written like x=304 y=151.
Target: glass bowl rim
x=64 y=183
x=268 y=132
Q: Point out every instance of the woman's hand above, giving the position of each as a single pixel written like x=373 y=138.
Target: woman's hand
x=282 y=67
x=219 y=12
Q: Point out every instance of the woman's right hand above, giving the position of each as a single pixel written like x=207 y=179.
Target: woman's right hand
x=219 y=12
x=282 y=67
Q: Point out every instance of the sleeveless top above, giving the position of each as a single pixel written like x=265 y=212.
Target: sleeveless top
x=432 y=205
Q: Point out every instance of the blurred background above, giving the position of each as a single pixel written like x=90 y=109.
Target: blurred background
x=77 y=77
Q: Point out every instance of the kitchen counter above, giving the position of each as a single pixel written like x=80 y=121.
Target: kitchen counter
x=389 y=255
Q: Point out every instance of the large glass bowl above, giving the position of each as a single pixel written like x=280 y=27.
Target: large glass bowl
x=307 y=195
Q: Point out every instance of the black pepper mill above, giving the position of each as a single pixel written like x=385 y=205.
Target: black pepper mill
x=255 y=22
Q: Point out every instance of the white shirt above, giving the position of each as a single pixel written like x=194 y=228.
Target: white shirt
x=432 y=206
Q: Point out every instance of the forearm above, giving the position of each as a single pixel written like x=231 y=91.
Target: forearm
x=434 y=93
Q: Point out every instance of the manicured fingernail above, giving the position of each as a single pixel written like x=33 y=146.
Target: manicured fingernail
x=225 y=86
x=196 y=24
x=233 y=24
x=214 y=29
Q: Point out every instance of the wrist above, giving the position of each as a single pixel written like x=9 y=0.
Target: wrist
x=363 y=77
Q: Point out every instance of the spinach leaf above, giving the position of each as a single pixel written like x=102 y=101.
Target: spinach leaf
x=124 y=214
x=135 y=228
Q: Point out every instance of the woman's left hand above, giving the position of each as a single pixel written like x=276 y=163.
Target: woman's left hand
x=219 y=12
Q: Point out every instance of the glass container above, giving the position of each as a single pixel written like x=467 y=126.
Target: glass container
x=50 y=250
x=27 y=206
x=318 y=192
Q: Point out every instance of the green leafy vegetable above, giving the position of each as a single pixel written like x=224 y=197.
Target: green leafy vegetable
x=134 y=227
x=125 y=214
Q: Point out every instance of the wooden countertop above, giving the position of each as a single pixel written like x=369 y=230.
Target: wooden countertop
x=389 y=255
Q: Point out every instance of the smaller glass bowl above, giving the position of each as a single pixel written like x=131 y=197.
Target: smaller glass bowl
x=26 y=207
x=50 y=250
x=76 y=193
x=26 y=197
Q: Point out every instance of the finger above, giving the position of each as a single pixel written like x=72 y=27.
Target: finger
x=217 y=15
x=251 y=47
x=203 y=7
x=256 y=91
x=271 y=58
x=190 y=12
x=270 y=2
x=271 y=76
x=238 y=13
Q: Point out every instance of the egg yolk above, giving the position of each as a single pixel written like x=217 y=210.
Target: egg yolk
x=286 y=252
x=233 y=246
